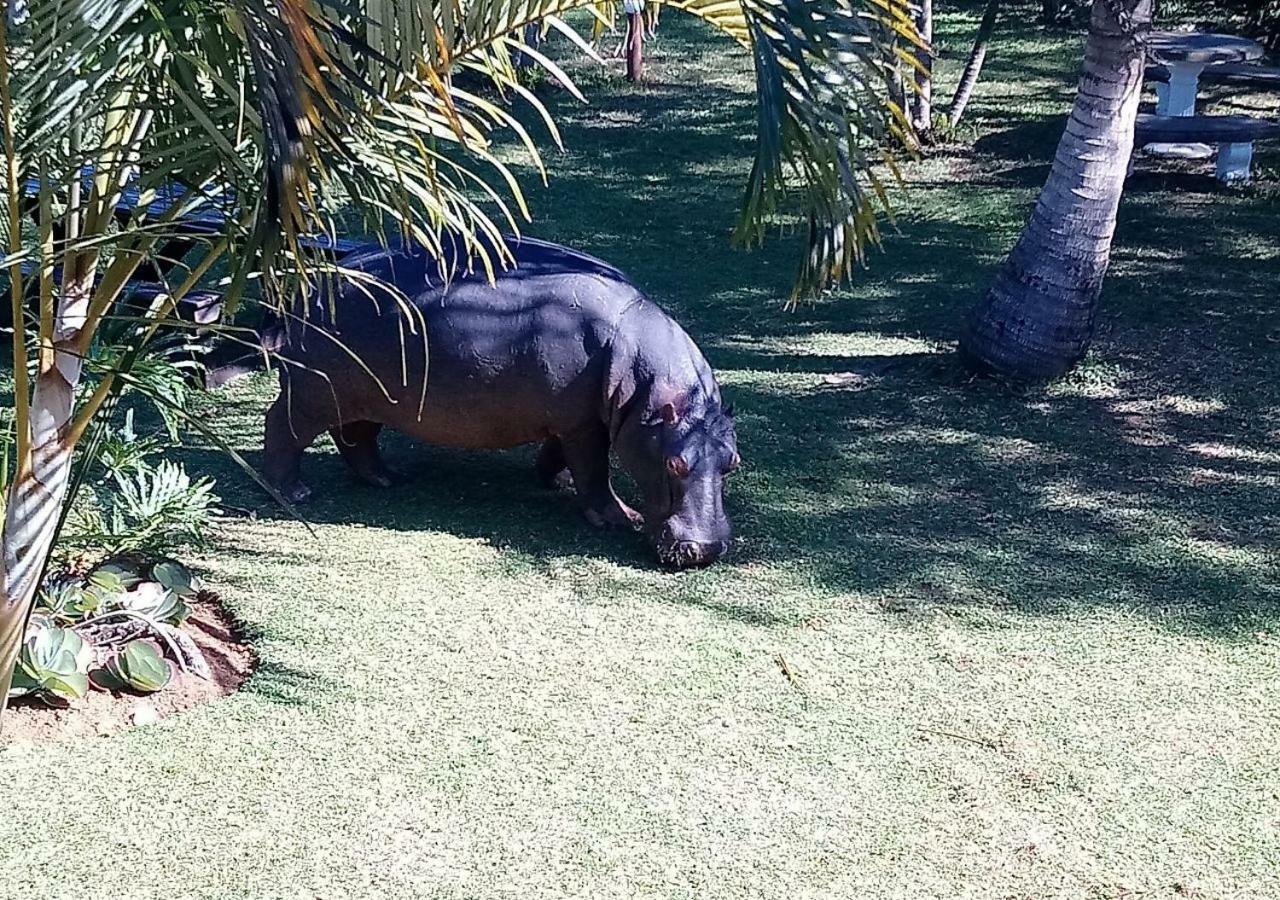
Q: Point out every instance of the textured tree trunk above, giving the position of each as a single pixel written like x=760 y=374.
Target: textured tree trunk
x=35 y=497
x=973 y=67
x=896 y=88
x=1037 y=320
x=635 y=46
x=922 y=100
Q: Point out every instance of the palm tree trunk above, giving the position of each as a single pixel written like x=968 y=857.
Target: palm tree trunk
x=973 y=67
x=1037 y=320
x=35 y=496
x=635 y=46
x=922 y=100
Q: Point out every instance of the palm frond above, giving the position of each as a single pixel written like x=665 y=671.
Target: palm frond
x=274 y=114
x=823 y=71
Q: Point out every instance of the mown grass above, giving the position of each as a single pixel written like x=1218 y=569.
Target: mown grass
x=1031 y=635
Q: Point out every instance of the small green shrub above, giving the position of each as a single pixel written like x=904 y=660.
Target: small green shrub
x=69 y=603
x=53 y=665
x=131 y=498
x=138 y=666
x=145 y=508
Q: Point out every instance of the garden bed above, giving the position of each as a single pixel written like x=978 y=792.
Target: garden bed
x=103 y=712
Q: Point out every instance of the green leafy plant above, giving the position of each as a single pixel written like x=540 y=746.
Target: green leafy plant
x=121 y=449
x=154 y=601
x=128 y=610
x=122 y=500
x=53 y=666
x=161 y=378
x=176 y=577
x=113 y=578
x=69 y=603
x=144 y=509
x=138 y=666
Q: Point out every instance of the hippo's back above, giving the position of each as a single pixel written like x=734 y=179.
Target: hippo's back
x=506 y=362
x=425 y=271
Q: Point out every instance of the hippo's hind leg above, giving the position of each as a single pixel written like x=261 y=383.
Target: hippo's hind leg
x=358 y=444
x=551 y=466
x=291 y=429
x=586 y=453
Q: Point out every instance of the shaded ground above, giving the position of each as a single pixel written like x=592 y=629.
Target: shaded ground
x=1030 y=637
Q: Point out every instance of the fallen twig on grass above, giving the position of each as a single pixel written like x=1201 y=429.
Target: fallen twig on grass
x=786 y=669
x=981 y=742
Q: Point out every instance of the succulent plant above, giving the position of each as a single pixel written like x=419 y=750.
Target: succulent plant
x=176 y=577
x=68 y=603
x=139 y=666
x=52 y=666
x=155 y=601
x=115 y=577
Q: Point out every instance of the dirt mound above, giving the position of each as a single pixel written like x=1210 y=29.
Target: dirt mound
x=102 y=713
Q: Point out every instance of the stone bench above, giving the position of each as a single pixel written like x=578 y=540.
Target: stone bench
x=1233 y=135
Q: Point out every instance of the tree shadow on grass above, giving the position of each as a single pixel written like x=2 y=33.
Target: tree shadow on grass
x=287 y=686
x=971 y=495
x=492 y=496
x=1032 y=140
x=924 y=489
x=1145 y=483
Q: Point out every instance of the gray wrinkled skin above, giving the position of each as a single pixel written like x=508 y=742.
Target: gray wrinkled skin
x=562 y=350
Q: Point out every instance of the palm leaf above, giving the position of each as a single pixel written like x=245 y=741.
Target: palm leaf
x=291 y=108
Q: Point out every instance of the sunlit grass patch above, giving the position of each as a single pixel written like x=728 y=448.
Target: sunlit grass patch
x=971 y=640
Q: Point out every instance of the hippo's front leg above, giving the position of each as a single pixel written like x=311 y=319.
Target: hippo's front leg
x=586 y=452
x=290 y=430
x=357 y=443
x=551 y=466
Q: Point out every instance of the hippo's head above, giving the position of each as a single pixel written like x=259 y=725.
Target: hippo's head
x=680 y=453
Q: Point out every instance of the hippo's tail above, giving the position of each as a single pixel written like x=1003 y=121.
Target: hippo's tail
x=253 y=350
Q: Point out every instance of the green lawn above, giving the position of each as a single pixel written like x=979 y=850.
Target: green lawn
x=1033 y=634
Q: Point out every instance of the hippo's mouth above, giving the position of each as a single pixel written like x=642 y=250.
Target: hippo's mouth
x=691 y=554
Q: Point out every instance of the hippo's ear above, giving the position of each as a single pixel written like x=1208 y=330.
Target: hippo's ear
x=669 y=404
x=677 y=466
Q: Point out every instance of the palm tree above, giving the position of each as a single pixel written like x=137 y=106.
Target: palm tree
x=271 y=115
x=1037 y=320
x=922 y=96
x=973 y=65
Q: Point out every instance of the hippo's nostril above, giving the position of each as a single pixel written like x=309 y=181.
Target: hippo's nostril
x=688 y=554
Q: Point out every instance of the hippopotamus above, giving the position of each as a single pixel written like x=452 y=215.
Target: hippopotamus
x=559 y=348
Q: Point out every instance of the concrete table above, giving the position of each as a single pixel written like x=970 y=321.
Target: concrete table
x=1185 y=55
